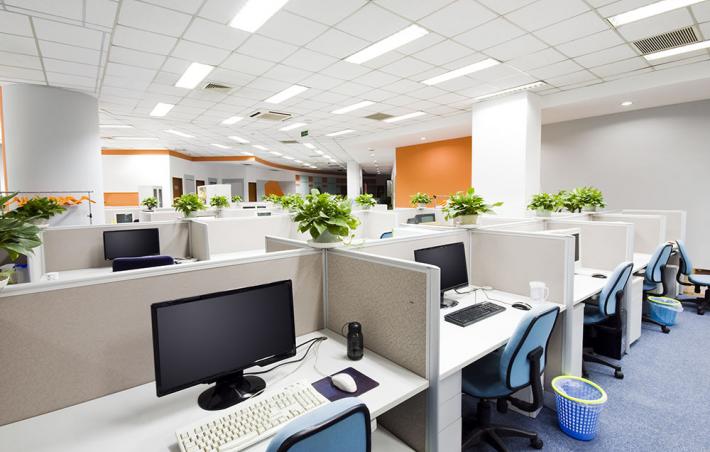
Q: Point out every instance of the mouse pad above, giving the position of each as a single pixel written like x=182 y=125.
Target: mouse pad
x=330 y=392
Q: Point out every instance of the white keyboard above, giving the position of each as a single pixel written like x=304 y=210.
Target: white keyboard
x=250 y=421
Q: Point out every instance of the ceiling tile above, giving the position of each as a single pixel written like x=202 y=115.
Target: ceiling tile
x=247 y=64
x=443 y=52
x=406 y=67
x=495 y=73
x=16 y=24
x=372 y=23
x=516 y=47
x=67 y=67
x=622 y=6
x=574 y=28
x=18 y=44
x=199 y=52
x=571 y=79
x=546 y=12
x=70 y=80
x=701 y=11
x=589 y=44
x=413 y=10
x=135 y=58
x=173 y=65
x=101 y=12
x=337 y=43
x=49 y=30
x=557 y=69
x=619 y=67
x=122 y=70
x=321 y=81
x=705 y=30
x=153 y=18
x=214 y=34
x=10 y=73
x=20 y=60
x=505 y=6
x=230 y=78
x=345 y=70
x=143 y=40
x=492 y=33
x=288 y=27
x=266 y=48
x=329 y=12
x=538 y=59
x=403 y=86
x=287 y=74
x=611 y=55
x=651 y=26
x=69 y=53
x=309 y=60
x=186 y=6
x=72 y=9
x=460 y=16
x=220 y=11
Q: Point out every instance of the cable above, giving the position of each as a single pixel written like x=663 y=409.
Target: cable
x=312 y=342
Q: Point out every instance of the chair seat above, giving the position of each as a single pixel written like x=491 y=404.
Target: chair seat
x=701 y=280
x=649 y=286
x=593 y=315
x=482 y=379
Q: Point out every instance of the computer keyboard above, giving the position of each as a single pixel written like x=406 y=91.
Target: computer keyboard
x=250 y=421
x=474 y=313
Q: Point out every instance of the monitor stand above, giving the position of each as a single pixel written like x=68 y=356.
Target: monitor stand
x=446 y=303
x=229 y=391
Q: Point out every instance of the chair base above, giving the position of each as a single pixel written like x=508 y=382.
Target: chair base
x=588 y=357
x=664 y=328
x=492 y=434
x=701 y=303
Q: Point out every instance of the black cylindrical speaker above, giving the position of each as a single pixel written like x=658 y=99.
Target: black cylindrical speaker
x=356 y=343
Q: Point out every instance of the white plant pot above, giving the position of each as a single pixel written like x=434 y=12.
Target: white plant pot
x=326 y=240
x=219 y=213
x=543 y=213
x=421 y=205
x=468 y=219
x=41 y=222
x=589 y=209
x=4 y=282
x=365 y=207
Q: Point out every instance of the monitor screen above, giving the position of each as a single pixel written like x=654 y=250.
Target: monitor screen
x=124 y=218
x=451 y=259
x=576 y=246
x=426 y=218
x=198 y=340
x=131 y=243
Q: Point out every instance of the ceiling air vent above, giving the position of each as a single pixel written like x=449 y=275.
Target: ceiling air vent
x=378 y=116
x=666 y=41
x=217 y=87
x=289 y=142
x=270 y=115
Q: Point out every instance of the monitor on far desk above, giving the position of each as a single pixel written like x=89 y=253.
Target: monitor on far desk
x=131 y=243
x=451 y=259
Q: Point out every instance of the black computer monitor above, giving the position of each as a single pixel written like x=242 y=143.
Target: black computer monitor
x=425 y=218
x=451 y=259
x=131 y=243
x=124 y=218
x=214 y=337
x=576 y=246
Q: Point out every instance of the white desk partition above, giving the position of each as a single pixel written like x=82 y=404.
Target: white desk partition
x=529 y=225
x=675 y=221
x=602 y=245
x=649 y=230
x=374 y=222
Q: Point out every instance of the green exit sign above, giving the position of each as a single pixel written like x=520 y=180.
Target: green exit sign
x=304 y=133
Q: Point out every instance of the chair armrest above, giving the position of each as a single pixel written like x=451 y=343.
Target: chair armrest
x=535 y=357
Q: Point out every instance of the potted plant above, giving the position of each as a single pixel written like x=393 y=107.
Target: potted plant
x=17 y=236
x=37 y=210
x=291 y=202
x=365 y=200
x=467 y=206
x=150 y=203
x=591 y=198
x=544 y=204
x=219 y=202
x=273 y=199
x=421 y=200
x=570 y=200
x=325 y=217
x=236 y=199
x=188 y=203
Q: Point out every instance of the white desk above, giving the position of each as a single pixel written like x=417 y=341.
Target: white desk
x=641 y=261
x=586 y=286
x=136 y=420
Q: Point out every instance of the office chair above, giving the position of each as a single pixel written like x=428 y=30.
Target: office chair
x=692 y=280
x=386 y=235
x=343 y=425
x=608 y=305
x=498 y=375
x=133 y=263
x=654 y=276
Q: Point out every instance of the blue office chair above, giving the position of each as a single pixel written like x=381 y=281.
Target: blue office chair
x=498 y=375
x=685 y=269
x=343 y=425
x=386 y=235
x=604 y=315
x=655 y=275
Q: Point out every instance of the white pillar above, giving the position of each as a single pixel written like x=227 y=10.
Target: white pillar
x=354 y=175
x=52 y=144
x=506 y=151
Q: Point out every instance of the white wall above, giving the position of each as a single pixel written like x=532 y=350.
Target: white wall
x=657 y=158
x=125 y=173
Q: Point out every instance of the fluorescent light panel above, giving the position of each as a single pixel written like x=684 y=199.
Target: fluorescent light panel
x=288 y=157
x=353 y=107
x=309 y=145
x=512 y=90
x=678 y=50
x=193 y=75
x=288 y=93
x=318 y=151
x=115 y=126
x=403 y=117
x=161 y=109
x=246 y=153
x=135 y=138
x=277 y=154
x=232 y=120
x=221 y=146
x=260 y=147
x=180 y=134
x=460 y=72
x=653 y=9
x=340 y=132
x=388 y=44
x=238 y=139
x=295 y=125
x=255 y=13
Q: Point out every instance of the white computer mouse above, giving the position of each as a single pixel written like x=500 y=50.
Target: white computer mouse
x=344 y=382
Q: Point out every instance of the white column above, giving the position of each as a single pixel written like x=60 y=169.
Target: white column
x=354 y=174
x=52 y=144
x=506 y=151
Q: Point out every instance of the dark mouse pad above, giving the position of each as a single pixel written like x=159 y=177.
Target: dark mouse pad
x=330 y=392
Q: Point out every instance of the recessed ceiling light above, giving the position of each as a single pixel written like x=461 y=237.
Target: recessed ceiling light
x=135 y=138
x=309 y=145
x=353 y=107
x=298 y=161
x=161 y=109
x=286 y=94
x=275 y=153
x=460 y=72
x=392 y=42
x=180 y=134
x=255 y=13
x=238 y=139
x=193 y=75
x=288 y=157
x=115 y=126
x=246 y=153
x=626 y=103
x=403 y=117
x=221 y=146
x=677 y=50
x=260 y=147
x=649 y=11
x=232 y=120
x=340 y=132
x=512 y=90
x=422 y=138
x=292 y=126
x=318 y=151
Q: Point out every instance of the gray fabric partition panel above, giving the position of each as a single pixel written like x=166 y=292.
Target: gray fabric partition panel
x=408 y=421
x=66 y=346
x=274 y=244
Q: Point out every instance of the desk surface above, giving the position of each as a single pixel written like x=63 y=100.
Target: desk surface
x=585 y=286
x=641 y=261
x=136 y=420
x=460 y=346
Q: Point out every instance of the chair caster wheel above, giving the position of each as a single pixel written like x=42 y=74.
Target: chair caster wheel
x=665 y=329
x=701 y=311
x=618 y=374
x=536 y=443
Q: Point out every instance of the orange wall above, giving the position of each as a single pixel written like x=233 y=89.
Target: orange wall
x=438 y=168
x=273 y=188
x=121 y=199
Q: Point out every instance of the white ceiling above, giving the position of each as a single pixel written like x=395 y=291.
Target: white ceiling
x=130 y=53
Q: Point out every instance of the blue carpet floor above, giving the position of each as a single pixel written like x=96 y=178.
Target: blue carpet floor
x=662 y=404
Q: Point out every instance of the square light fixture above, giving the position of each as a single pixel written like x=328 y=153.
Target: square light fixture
x=255 y=13
x=261 y=148
x=292 y=126
x=161 y=109
x=460 y=72
x=180 y=134
x=193 y=75
x=403 y=117
x=232 y=120
x=309 y=145
x=388 y=44
x=288 y=93
x=353 y=107
x=651 y=10
x=238 y=139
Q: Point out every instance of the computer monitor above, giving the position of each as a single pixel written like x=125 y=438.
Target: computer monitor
x=576 y=246
x=131 y=243
x=263 y=214
x=214 y=337
x=124 y=218
x=425 y=218
x=451 y=259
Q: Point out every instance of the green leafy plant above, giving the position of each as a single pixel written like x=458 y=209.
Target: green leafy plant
x=276 y=199
x=291 y=202
x=188 y=203
x=219 y=202
x=17 y=236
x=420 y=198
x=37 y=208
x=570 y=200
x=467 y=203
x=236 y=198
x=365 y=200
x=321 y=212
x=591 y=197
x=545 y=201
x=150 y=202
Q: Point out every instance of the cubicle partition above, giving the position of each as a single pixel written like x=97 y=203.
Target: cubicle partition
x=602 y=245
x=63 y=343
x=675 y=221
x=373 y=223
x=649 y=230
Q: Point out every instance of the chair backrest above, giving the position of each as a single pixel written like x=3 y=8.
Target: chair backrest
x=343 y=425
x=386 y=235
x=532 y=332
x=659 y=258
x=686 y=265
x=615 y=284
x=132 y=263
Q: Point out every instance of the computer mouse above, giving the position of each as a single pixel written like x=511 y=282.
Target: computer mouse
x=344 y=382
x=522 y=306
x=599 y=275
